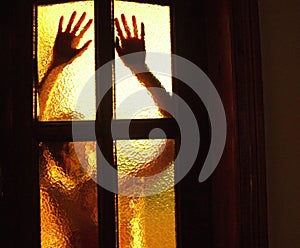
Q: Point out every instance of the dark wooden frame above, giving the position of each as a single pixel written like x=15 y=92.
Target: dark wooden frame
x=239 y=186
x=234 y=207
x=250 y=124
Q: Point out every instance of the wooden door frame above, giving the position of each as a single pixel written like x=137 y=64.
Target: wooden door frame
x=234 y=65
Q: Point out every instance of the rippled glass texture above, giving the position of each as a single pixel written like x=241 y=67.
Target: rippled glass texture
x=147 y=221
x=68 y=195
x=64 y=91
x=156 y=19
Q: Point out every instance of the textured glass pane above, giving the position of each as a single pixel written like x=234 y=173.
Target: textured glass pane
x=147 y=221
x=68 y=195
x=64 y=88
x=156 y=19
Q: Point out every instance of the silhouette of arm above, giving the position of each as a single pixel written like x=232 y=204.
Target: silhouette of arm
x=65 y=51
x=131 y=43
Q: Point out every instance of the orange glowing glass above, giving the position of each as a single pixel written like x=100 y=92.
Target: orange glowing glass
x=62 y=103
x=156 y=19
x=147 y=221
x=68 y=195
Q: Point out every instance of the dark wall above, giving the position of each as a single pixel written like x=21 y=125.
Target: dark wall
x=280 y=39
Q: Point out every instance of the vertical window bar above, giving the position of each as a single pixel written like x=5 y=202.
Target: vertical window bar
x=104 y=44
x=177 y=137
x=35 y=147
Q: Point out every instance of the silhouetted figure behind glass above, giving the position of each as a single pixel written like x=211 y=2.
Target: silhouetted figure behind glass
x=81 y=213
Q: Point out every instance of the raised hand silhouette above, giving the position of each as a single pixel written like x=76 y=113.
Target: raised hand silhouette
x=131 y=43
x=65 y=48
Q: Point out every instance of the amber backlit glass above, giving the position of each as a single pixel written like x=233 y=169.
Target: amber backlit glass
x=63 y=101
x=146 y=221
x=68 y=195
x=157 y=39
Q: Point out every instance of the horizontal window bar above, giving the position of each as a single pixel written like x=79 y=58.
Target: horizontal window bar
x=63 y=131
x=160 y=2
x=141 y=128
x=121 y=129
x=41 y=2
